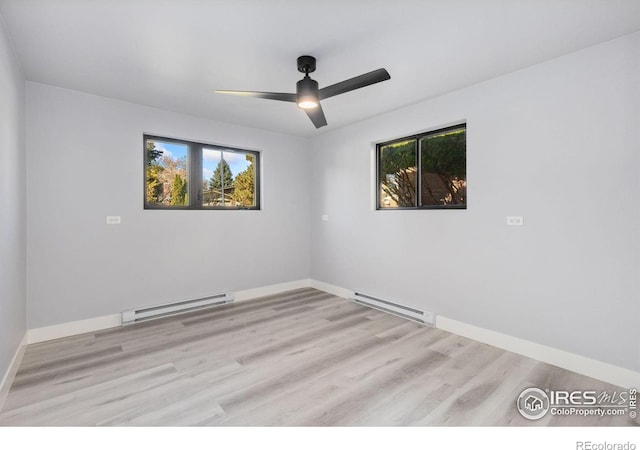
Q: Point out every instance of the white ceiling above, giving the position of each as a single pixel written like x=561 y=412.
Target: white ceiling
x=172 y=54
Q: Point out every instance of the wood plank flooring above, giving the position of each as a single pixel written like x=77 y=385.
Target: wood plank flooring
x=302 y=357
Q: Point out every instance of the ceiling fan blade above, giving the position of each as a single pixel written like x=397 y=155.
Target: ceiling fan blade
x=282 y=96
x=317 y=116
x=351 y=84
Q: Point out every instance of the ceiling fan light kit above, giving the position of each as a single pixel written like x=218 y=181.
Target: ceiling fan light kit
x=308 y=94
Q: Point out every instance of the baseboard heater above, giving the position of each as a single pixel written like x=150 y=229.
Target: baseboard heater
x=417 y=315
x=171 y=309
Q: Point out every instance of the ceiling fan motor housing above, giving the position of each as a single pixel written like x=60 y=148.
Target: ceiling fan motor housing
x=307 y=88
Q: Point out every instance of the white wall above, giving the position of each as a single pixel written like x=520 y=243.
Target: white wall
x=85 y=162
x=558 y=143
x=12 y=206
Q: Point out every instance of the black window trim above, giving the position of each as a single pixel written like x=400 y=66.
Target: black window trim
x=194 y=165
x=417 y=137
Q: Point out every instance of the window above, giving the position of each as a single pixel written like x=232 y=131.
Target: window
x=188 y=175
x=425 y=171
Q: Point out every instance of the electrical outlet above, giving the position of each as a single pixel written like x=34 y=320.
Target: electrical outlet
x=114 y=220
x=515 y=220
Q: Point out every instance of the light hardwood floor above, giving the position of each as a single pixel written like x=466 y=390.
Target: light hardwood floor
x=302 y=357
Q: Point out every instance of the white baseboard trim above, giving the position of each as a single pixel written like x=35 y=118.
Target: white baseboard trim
x=250 y=294
x=580 y=364
x=595 y=369
x=331 y=289
x=115 y=320
x=10 y=374
x=72 y=328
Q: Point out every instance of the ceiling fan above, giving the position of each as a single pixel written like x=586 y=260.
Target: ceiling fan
x=308 y=95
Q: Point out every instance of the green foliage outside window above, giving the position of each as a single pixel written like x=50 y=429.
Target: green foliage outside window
x=424 y=171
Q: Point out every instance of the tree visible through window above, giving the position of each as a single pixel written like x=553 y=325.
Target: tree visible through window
x=424 y=171
x=166 y=173
x=188 y=175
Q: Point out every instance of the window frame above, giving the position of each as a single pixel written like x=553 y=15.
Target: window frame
x=194 y=166
x=418 y=139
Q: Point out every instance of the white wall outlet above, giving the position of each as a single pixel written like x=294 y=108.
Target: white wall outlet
x=114 y=220
x=515 y=220
x=325 y=217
